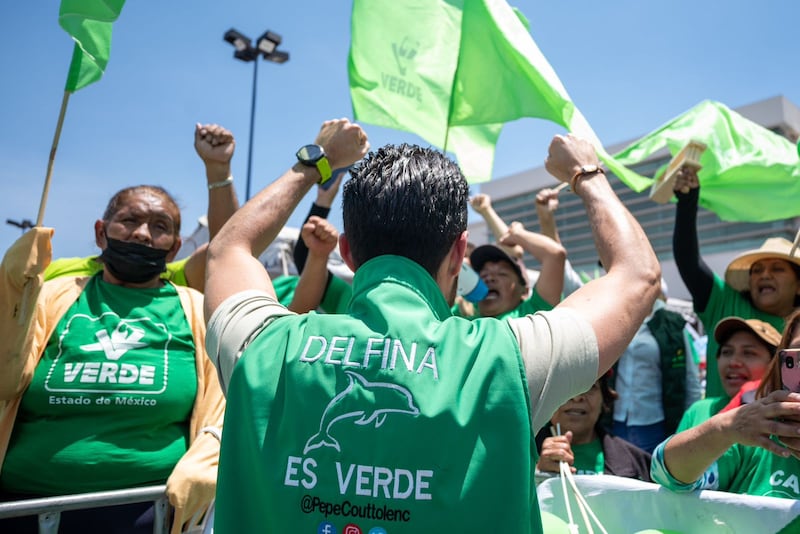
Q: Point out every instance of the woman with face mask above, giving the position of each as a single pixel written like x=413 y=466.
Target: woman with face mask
x=105 y=380
x=215 y=146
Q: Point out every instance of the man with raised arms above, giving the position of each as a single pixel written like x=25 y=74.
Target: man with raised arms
x=397 y=415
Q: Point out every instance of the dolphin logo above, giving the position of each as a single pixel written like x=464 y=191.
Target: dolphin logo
x=364 y=401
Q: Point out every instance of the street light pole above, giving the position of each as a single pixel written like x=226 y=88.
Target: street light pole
x=267 y=47
x=252 y=127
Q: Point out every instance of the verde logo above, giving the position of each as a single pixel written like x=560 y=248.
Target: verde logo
x=404 y=53
x=124 y=338
x=404 y=81
x=361 y=403
x=123 y=356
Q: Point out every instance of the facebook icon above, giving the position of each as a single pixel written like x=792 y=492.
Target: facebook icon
x=326 y=528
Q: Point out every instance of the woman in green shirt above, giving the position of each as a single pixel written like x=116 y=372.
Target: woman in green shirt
x=106 y=383
x=763 y=283
x=585 y=444
x=752 y=449
x=745 y=349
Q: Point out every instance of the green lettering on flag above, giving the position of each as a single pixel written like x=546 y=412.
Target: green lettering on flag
x=453 y=72
x=749 y=173
x=89 y=24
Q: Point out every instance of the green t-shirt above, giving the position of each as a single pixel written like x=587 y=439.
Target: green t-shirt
x=756 y=471
x=701 y=411
x=725 y=301
x=109 y=403
x=528 y=306
x=284 y=287
x=589 y=459
x=335 y=299
x=90 y=266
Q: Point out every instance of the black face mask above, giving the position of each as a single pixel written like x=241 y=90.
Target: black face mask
x=133 y=262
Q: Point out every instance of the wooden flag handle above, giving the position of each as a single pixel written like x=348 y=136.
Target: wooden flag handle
x=795 y=244
x=51 y=162
x=28 y=289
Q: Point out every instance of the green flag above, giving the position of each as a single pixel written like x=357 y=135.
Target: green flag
x=453 y=72
x=749 y=173
x=89 y=24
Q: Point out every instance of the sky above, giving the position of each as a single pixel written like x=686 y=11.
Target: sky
x=629 y=66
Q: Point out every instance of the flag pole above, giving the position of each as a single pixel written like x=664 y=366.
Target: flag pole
x=29 y=288
x=51 y=162
x=795 y=244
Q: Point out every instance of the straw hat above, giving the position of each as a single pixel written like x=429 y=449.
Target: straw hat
x=737 y=275
x=765 y=331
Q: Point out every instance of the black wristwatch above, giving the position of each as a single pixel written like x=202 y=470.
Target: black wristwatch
x=314 y=156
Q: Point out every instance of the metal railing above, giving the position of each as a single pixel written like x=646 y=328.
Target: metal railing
x=49 y=508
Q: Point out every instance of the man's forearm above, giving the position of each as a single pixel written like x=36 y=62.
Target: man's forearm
x=632 y=284
x=247 y=234
x=312 y=284
x=499 y=228
x=233 y=264
x=547 y=223
x=696 y=275
x=688 y=454
x=222 y=201
x=551 y=256
x=300 y=253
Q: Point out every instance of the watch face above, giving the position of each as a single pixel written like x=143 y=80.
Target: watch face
x=311 y=153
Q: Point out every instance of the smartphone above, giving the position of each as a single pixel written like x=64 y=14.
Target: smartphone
x=790 y=369
x=334 y=176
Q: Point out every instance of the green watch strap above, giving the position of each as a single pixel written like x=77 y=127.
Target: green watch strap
x=324 y=168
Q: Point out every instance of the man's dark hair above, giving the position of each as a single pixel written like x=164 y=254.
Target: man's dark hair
x=405 y=200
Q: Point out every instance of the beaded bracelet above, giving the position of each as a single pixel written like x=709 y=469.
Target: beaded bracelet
x=222 y=183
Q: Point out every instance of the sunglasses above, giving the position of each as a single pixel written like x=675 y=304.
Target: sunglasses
x=790 y=369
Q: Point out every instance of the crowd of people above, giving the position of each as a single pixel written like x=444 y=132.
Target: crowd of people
x=391 y=400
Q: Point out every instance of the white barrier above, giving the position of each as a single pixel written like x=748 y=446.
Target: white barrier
x=626 y=506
